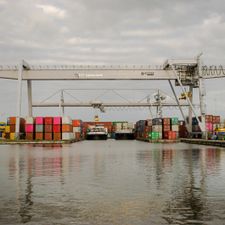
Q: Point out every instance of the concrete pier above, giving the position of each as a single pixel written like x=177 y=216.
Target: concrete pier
x=218 y=143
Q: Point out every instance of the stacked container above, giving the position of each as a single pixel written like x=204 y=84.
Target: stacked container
x=11 y=128
x=175 y=126
x=166 y=127
x=57 y=128
x=209 y=123
x=157 y=127
x=29 y=128
x=39 y=128
x=67 y=128
x=48 y=130
x=77 y=129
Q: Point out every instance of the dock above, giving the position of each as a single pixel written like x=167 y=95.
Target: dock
x=44 y=142
x=218 y=143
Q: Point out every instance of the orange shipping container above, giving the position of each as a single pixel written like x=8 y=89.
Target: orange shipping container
x=48 y=136
x=30 y=136
x=57 y=136
x=39 y=136
x=67 y=128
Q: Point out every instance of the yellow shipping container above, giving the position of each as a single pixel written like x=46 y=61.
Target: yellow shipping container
x=7 y=129
x=12 y=136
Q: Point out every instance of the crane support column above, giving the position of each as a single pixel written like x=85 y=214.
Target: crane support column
x=202 y=94
x=190 y=109
x=29 y=95
x=177 y=100
x=19 y=100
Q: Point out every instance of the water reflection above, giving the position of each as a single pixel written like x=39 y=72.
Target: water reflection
x=114 y=183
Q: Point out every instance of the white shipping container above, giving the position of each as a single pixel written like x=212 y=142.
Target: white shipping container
x=124 y=126
x=157 y=128
x=119 y=126
x=29 y=120
x=175 y=128
x=66 y=120
x=130 y=125
x=67 y=136
x=76 y=129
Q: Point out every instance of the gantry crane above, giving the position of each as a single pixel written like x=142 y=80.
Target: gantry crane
x=186 y=73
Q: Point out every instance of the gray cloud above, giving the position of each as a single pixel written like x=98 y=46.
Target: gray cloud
x=110 y=32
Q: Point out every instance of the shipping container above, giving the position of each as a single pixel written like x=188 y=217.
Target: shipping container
x=29 y=128
x=67 y=128
x=30 y=136
x=7 y=129
x=57 y=120
x=29 y=120
x=174 y=121
x=39 y=120
x=67 y=136
x=48 y=136
x=66 y=120
x=76 y=123
x=48 y=128
x=39 y=136
x=175 y=128
x=157 y=121
x=48 y=120
x=12 y=136
x=57 y=136
x=57 y=128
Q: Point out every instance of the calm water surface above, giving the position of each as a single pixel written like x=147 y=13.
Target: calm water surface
x=112 y=182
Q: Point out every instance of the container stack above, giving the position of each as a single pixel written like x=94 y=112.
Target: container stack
x=174 y=127
x=77 y=129
x=67 y=128
x=57 y=128
x=10 y=128
x=48 y=129
x=157 y=129
x=141 y=129
x=29 y=128
x=2 y=129
x=39 y=128
x=216 y=122
x=209 y=124
x=183 y=132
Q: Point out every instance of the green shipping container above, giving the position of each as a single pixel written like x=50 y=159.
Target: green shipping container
x=153 y=135
x=174 y=121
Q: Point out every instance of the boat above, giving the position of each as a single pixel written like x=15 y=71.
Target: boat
x=126 y=134
x=97 y=132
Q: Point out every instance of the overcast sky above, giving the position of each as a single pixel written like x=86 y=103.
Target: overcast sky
x=109 y=32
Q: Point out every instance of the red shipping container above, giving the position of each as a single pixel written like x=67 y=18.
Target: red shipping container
x=208 y=118
x=39 y=136
x=166 y=127
x=57 y=128
x=48 y=136
x=12 y=128
x=48 y=128
x=76 y=123
x=48 y=120
x=57 y=136
x=166 y=121
x=30 y=136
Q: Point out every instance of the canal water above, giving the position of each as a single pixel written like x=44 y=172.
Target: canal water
x=112 y=182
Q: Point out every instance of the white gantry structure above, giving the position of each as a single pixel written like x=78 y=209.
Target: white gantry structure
x=185 y=73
